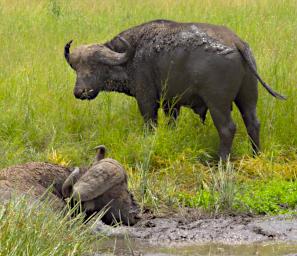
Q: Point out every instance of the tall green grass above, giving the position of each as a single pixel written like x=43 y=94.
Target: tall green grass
x=28 y=228
x=39 y=114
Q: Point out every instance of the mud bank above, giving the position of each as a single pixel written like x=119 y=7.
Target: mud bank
x=177 y=231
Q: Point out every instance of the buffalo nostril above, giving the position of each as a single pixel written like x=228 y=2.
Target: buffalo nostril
x=84 y=93
x=78 y=93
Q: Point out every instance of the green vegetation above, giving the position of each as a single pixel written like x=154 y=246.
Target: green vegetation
x=38 y=230
x=257 y=197
x=276 y=196
x=40 y=120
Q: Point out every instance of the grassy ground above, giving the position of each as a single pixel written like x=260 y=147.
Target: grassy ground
x=40 y=120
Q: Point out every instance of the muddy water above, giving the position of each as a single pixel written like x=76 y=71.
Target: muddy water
x=130 y=247
x=208 y=236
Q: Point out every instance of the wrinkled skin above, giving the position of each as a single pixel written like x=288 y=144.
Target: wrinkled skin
x=201 y=66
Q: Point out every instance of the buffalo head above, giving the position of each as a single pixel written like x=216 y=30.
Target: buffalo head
x=94 y=64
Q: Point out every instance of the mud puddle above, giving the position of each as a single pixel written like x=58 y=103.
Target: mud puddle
x=209 y=236
x=123 y=247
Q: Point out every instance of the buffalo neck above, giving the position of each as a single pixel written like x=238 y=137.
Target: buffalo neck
x=121 y=86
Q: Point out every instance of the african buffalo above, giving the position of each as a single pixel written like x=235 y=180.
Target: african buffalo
x=103 y=186
x=201 y=66
x=34 y=180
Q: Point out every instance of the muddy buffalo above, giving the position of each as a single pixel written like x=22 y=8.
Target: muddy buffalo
x=103 y=186
x=201 y=66
x=34 y=180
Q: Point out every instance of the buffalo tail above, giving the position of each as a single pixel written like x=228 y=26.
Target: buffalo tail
x=247 y=55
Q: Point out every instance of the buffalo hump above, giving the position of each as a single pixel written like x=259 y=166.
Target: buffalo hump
x=98 y=179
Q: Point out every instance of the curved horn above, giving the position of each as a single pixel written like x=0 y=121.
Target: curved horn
x=124 y=41
x=101 y=150
x=69 y=182
x=110 y=57
x=66 y=50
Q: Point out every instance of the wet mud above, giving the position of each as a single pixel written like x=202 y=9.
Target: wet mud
x=189 y=235
x=177 y=231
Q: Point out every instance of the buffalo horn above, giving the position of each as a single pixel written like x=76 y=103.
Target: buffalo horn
x=66 y=50
x=110 y=57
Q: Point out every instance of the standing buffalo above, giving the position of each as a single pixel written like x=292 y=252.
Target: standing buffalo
x=198 y=65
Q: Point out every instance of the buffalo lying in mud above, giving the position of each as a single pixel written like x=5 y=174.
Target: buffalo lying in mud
x=103 y=185
x=201 y=66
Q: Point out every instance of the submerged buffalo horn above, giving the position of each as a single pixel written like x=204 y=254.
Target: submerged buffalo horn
x=110 y=57
x=66 y=50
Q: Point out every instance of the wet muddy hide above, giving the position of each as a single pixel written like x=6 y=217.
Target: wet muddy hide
x=36 y=179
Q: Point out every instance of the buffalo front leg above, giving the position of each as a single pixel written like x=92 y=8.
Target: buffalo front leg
x=149 y=111
x=171 y=111
x=226 y=129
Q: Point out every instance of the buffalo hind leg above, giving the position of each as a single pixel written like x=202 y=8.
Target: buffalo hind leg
x=246 y=102
x=252 y=124
x=226 y=129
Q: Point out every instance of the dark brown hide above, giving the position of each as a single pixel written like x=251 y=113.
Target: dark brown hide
x=33 y=179
x=103 y=187
x=201 y=66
